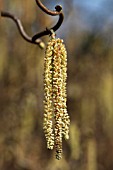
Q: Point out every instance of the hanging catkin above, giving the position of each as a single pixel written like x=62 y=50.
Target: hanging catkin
x=56 y=119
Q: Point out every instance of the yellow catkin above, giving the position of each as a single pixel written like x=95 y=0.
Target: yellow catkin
x=48 y=111
x=55 y=97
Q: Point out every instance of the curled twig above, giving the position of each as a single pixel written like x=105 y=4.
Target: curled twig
x=47 y=11
x=36 y=38
x=58 y=11
x=21 y=29
x=48 y=31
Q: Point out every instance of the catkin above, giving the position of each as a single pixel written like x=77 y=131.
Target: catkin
x=56 y=119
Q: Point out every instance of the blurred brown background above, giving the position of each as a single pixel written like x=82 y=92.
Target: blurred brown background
x=88 y=34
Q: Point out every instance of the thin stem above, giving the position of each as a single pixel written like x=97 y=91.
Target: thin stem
x=48 y=31
x=47 y=11
x=36 y=38
x=21 y=29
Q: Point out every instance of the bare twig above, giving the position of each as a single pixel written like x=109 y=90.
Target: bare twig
x=54 y=28
x=21 y=29
x=36 y=38
x=47 y=11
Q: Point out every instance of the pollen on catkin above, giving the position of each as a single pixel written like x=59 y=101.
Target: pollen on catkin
x=56 y=119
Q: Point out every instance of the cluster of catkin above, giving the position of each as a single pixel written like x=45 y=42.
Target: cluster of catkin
x=56 y=119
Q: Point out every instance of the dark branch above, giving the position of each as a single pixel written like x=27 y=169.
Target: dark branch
x=48 y=31
x=36 y=38
x=47 y=11
x=21 y=29
x=53 y=13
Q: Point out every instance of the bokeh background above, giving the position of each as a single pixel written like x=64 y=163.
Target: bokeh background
x=88 y=34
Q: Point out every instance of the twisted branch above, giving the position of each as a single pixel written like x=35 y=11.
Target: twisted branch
x=36 y=38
